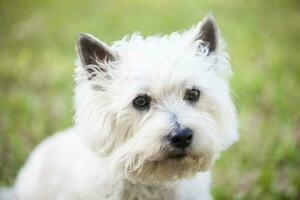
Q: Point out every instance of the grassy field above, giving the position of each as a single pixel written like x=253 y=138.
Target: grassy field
x=37 y=60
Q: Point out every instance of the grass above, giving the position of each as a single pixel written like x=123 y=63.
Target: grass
x=37 y=61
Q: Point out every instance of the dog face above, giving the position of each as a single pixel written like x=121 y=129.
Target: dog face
x=158 y=107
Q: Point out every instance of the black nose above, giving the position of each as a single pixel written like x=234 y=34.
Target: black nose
x=180 y=137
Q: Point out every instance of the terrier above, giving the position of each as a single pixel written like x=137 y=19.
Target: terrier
x=152 y=115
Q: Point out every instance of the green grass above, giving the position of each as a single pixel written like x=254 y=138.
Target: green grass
x=37 y=61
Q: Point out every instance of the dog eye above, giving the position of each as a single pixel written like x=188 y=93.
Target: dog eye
x=142 y=102
x=192 y=95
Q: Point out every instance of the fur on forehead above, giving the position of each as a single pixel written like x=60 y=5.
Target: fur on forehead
x=177 y=51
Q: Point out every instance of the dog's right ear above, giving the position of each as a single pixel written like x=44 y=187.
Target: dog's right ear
x=92 y=51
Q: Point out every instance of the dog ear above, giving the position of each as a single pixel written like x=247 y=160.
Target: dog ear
x=208 y=33
x=91 y=51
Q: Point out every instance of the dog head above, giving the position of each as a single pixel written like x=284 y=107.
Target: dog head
x=158 y=107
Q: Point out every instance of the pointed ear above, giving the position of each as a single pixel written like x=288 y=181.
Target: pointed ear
x=208 y=33
x=92 y=51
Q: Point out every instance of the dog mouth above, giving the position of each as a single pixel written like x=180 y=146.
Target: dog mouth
x=172 y=164
x=176 y=154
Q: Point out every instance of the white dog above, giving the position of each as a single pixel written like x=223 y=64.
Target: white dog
x=152 y=116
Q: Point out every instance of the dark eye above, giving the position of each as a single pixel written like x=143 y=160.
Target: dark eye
x=192 y=95
x=142 y=102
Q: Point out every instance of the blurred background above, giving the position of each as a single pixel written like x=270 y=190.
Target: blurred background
x=37 y=54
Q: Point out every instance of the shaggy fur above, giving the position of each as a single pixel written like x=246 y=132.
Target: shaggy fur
x=115 y=151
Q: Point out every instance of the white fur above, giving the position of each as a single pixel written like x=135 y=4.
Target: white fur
x=116 y=152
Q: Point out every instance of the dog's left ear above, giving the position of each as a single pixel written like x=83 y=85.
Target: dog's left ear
x=91 y=51
x=208 y=33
